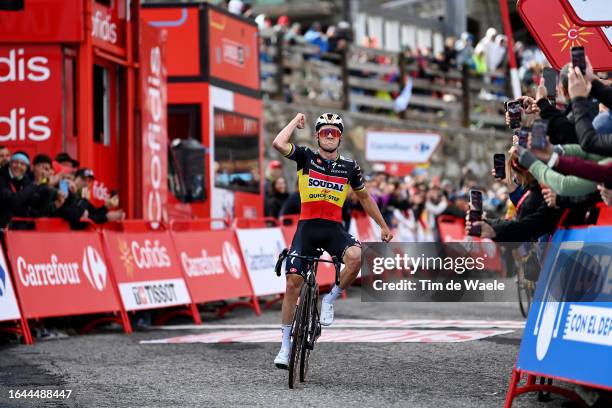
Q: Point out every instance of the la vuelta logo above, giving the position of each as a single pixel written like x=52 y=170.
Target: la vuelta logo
x=153 y=135
x=18 y=124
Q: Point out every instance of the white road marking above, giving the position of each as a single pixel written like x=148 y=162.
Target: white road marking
x=337 y=336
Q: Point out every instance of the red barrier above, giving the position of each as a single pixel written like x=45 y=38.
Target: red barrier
x=365 y=230
x=451 y=228
x=10 y=309
x=66 y=275
x=211 y=260
x=147 y=269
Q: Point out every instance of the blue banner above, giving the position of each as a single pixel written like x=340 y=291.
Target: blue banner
x=569 y=328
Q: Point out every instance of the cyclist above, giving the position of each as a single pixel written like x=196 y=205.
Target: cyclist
x=323 y=179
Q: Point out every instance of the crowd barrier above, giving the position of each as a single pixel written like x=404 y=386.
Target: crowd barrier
x=566 y=340
x=130 y=266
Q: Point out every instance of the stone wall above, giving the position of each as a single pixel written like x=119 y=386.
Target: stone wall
x=460 y=147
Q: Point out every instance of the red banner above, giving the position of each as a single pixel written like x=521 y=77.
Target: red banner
x=213 y=266
x=31 y=103
x=65 y=275
x=556 y=32
x=233 y=49
x=154 y=122
x=147 y=269
x=43 y=21
x=108 y=25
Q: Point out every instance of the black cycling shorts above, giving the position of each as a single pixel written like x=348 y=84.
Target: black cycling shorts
x=318 y=233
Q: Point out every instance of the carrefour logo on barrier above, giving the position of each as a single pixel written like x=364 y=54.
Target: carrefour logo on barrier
x=201 y=266
x=94 y=268
x=231 y=260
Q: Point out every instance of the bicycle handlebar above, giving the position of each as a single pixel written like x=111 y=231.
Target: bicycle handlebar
x=285 y=254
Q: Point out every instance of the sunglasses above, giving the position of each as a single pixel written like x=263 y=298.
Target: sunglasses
x=333 y=132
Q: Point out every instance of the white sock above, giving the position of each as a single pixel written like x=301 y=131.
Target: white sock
x=286 y=329
x=332 y=295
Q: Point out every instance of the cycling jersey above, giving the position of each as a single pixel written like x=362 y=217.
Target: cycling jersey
x=323 y=183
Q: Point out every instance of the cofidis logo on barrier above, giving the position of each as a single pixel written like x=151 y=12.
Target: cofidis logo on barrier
x=9 y=310
x=147 y=270
x=569 y=328
x=66 y=267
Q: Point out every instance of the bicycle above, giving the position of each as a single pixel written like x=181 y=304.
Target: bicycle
x=305 y=328
x=526 y=290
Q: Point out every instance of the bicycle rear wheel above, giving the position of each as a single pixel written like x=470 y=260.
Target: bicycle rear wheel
x=525 y=292
x=297 y=335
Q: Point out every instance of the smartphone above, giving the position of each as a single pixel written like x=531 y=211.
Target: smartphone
x=513 y=108
x=499 y=165
x=578 y=58
x=476 y=200
x=63 y=187
x=523 y=135
x=475 y=230
x=538 y=134
x=550 y=82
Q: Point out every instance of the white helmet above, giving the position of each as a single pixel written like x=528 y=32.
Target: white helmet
x=329 y=119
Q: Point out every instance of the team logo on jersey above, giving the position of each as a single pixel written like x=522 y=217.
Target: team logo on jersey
x=313 y=182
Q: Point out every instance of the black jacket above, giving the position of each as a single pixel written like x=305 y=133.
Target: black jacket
x=588 y=138
x=21 y=198
x=274 y=203
x=533 y=219
x=603 y=93
x=74 y=207
x=561 y=124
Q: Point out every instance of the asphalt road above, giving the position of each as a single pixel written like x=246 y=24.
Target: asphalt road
x=116 y=370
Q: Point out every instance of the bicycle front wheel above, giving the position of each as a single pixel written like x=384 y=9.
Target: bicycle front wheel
x=298 y=334
x=311 y=331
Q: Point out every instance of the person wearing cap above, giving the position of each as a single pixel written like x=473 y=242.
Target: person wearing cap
x=274 y=170
x=65 y=160
x=17 y=191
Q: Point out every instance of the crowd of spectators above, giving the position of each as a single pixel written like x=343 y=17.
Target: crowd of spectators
x=46 y=187
x=572 y=171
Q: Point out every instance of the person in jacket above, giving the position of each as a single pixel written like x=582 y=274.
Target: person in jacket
x=533 y=217
x=276 y=197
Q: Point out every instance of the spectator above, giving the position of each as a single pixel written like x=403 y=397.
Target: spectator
x=78 y=206
x=315 y=36
x=235 y=7
x=282 y=25
x=65 y=160
x=17 y=191
x=5 y=156
x=276 y=197
x=274 y=170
